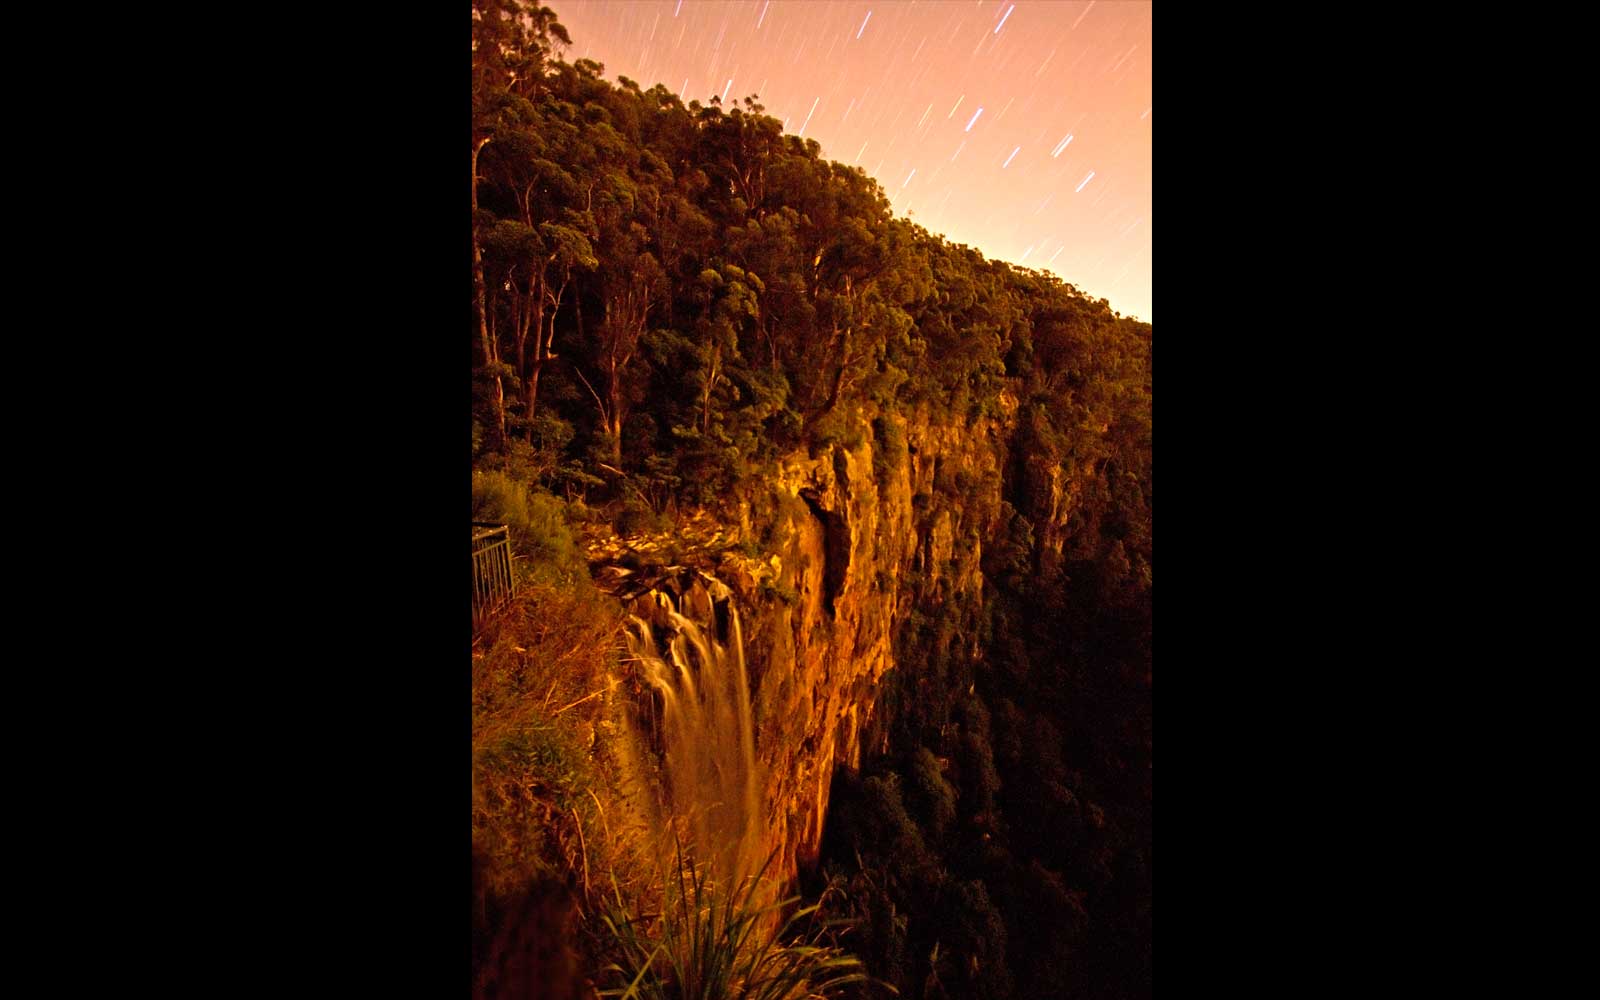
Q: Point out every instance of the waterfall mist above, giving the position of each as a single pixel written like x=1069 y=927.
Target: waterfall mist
x=706 y=734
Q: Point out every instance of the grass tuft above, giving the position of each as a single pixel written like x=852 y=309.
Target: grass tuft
x=713 y=941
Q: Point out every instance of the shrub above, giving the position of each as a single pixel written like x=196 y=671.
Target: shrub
x=780 y=590
x=498 y=497
x=837 y=427
x=537 y=523
x=548 y=543
x=889 y=455
x=980 y=780
x=980 y=935
x=543 y=758
x=934 y=798
x=892 y=834
x=713 y=941
x=636 y=516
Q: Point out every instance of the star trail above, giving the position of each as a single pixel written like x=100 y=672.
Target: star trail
x=1060 y=179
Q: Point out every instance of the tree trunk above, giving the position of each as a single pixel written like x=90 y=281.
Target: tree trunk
x=531 y=317
x=490 y=358
x=533 y=394
x=627 y=309
x=542 y=343
x=492 y=347
x=615 y=430
x=711 y=382
x=838 y=385
x=531 y=320
x=614 y=420
x=848 y=362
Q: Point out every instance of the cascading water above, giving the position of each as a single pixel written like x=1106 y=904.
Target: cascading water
x=708 y=739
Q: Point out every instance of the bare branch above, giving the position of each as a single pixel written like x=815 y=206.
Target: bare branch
x=579 y=372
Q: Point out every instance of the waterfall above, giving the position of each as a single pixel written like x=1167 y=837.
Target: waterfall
x=708 y=739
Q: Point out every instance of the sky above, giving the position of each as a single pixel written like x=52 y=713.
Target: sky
x=1021 y=129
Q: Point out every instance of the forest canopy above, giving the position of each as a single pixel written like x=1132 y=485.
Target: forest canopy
x=672 y=292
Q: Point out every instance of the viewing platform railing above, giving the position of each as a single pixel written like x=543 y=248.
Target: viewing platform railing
x=492 y=583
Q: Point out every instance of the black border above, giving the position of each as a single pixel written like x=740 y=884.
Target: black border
x=345 y=410
x=352 y=669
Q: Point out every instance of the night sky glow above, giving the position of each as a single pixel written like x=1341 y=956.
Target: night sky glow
x=1021 y=129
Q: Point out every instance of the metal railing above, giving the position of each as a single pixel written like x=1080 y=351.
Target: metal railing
x=492 y=583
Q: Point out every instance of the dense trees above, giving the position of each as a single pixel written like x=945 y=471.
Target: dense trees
x=616 y=228
x=666 y=296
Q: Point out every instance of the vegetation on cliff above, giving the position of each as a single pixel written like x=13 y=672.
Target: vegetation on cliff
x=668 y=299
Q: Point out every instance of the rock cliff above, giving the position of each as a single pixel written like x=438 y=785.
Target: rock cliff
x=826 y=565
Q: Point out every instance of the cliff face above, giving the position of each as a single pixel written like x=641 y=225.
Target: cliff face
x=851 y=540
x=874 y=547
